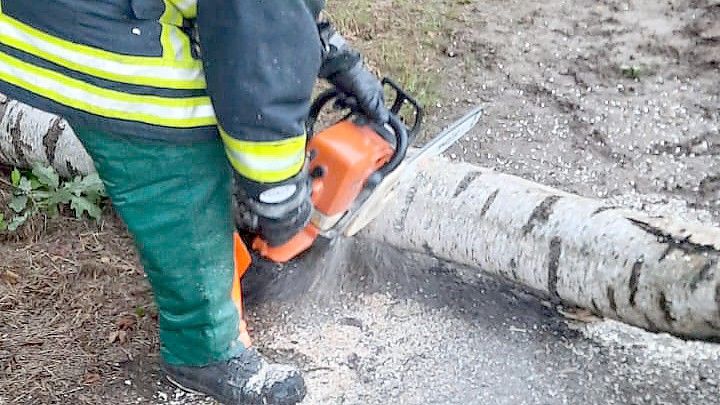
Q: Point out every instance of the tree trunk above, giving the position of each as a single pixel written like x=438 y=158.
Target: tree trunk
x=651 y=272
x=29 y=135
x=654 y=273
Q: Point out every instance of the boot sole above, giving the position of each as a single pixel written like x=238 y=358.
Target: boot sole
x=182 y=387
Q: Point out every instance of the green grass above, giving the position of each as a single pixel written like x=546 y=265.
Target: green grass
x=401 y=39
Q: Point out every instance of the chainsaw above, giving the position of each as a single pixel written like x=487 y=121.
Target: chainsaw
x=356 y=165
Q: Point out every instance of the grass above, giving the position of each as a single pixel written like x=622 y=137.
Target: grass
x=401 y=39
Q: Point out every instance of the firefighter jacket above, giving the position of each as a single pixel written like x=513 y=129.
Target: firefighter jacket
x=131 y=67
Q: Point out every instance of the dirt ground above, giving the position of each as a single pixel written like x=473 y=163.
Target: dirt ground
x=611 y=99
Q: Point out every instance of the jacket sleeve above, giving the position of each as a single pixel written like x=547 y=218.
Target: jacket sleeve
x=261 y=60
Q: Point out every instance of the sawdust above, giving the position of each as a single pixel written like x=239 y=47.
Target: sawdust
x=652 y=347
x=370 y=330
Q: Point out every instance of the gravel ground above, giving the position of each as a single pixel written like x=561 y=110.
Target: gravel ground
x=419 y=334
x=608 y=99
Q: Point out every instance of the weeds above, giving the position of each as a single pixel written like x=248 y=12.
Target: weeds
x=40 y=191
x=632 y=71
x=399 y=39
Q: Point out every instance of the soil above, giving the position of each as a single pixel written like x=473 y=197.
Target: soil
x=610 y=99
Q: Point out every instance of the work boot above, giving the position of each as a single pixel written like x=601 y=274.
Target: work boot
x=245 y=379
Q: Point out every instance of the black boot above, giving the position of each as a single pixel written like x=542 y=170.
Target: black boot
x=246 y=379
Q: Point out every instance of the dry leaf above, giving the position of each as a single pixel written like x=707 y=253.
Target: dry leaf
x=126 y=322
x=91 y=378
x=11 y=277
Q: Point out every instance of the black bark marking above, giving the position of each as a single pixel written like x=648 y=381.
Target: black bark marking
x=650 y=324
x=705 y=274
x=595 y=306
x=489 y=203
x=674 y=243
x=635 y=279
x=553 y=264
x=712 y=325
x=72 y=172
x=717 y=296
x=466 y=182
x=409 y=199
x=17 y=143
x=429 y=250
x=665 y=308
x=611 y=298
x=603 y=209
x=513 y=267
x=665 y=253
x=50 y=139
x=540 y=214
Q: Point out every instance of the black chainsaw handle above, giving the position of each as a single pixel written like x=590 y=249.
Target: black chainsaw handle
x=400 y=99
x=401 y=133
x=397 y=128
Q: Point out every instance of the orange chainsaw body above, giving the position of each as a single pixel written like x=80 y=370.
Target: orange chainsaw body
x=342 y=159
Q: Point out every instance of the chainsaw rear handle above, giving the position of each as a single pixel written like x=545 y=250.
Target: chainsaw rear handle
x=400 y=132
x=401 y=97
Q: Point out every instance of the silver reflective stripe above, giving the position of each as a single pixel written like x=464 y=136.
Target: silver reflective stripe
x=185 y=5
x=177 y=42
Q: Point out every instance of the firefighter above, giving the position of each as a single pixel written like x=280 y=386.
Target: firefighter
x=173 y=129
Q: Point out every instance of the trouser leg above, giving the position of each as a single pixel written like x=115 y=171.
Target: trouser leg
x=176 y=202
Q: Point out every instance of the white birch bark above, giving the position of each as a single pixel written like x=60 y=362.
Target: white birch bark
x=29 y=135
x=655 y=273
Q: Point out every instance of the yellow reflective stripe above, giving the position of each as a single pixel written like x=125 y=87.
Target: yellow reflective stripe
x=175 y=43
x=147 y=71
x=163 y=111
x=266 y=161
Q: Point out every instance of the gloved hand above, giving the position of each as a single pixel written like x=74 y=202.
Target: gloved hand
x=343 y=67
x=277 y=211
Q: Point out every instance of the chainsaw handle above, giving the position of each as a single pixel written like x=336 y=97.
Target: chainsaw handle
x=401 y=145
x=317 y=106
x=399 y=130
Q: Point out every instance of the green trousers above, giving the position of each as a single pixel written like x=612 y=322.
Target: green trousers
x=176 y=201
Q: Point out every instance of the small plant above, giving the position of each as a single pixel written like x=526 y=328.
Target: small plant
x=41 y=191
x=632 y=71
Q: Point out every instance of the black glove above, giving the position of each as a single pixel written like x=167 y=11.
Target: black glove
x=277 y=211
x=343 y=67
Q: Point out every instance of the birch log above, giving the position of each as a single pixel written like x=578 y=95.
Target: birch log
x=654 y=273
x=29 y=135
x=651 y=272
